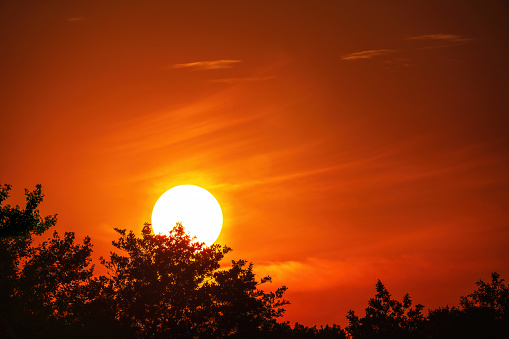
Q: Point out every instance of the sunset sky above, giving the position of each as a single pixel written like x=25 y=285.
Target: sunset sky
x=346 y=141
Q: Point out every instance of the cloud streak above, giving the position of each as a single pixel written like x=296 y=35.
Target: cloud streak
x=207 y=65
x=161 y=130
x=75 y=19
x=431 y=40
x=293 y=176
x=335 y=273
x=369 y=54
x=236 y=80
x=440 y=37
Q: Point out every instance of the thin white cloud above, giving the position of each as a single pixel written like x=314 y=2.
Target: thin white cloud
x=367 y=54
x=207 y=65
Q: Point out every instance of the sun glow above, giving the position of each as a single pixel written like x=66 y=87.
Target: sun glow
x=195 y=207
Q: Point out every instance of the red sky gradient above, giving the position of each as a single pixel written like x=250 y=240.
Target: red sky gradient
x=346 y=141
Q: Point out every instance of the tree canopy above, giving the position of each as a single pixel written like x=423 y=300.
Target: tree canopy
x=386 y=317
x=157 y=286
x=17 y=222
x=171 y=286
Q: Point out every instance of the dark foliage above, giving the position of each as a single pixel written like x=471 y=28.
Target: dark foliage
x=386 y=317
x=304 y=332
x=158 y=287
x=16 y=228
x=174 y=287
x=17 y=222
x=482 y=314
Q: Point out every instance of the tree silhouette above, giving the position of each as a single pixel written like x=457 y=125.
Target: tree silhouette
x=171 y=286
x=448 y=322
x=386 y=317
x=239 y=308
x=482 y=314
x=491 y=297
x=44 y=290
x=51 y=291
x=16 y=222
x=300 y=331
x=16 y=228
x=53 y=281
x=489 y=306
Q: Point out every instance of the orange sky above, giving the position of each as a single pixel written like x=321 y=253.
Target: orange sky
x=346 y=141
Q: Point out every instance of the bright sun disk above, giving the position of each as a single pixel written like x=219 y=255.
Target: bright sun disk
x=192 y=205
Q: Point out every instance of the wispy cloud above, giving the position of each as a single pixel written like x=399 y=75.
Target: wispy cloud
x=432 y=41
x=347 y=272
x=368 y=161
x=160 y=130
x=74 y=19
x=367 y=54
x=429 y=41
x=440 y=37
x=276 y=179
x=207 y=65
x=248 y=79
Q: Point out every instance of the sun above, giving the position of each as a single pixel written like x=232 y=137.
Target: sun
x=192 y=205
